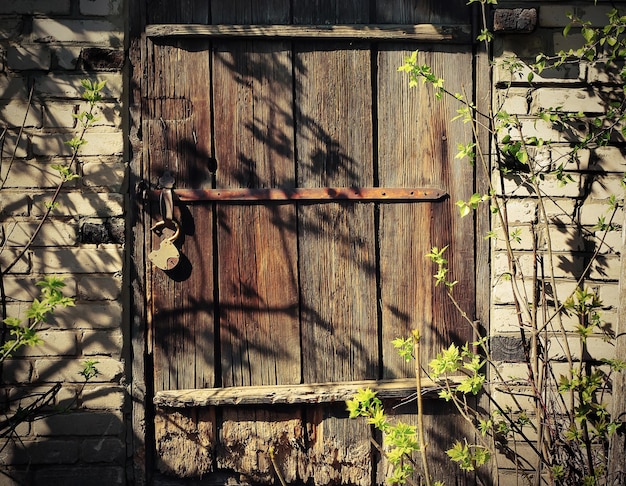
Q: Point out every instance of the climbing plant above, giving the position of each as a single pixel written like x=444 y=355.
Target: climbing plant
x=560 y=415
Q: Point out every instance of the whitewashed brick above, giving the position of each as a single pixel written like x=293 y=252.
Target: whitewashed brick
x=103 y=397
x=17 y=113
x=591 y=211
x=605 y=186
x=110 y=175
x=608 y=159
x=100 y=7
x=10 y=27
x=522 y=210
x=11 y=147
x=68 y=85
x=563 y=239
x=606 y=267
x=77 y=260
x=83 y=204
x=87 y=316
x=15 y=203
x=8 y=255
x=557 y=15
x=99 y=287
x=68 y=370
x=59 y=115
x=611 y=241
x=106 y=114
x=52 y=233
x=563 y=155
x=567 y=99
x=93 y=32
x=66 y=56
x=520 y=238
x=102 y=343
x=25 y=58
x=55 y=343
x=12 y=88
x=36 y=7
x=30 y=174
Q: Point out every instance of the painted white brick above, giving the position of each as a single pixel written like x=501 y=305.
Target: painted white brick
x=606 y=267
x=11 y=146
x=93 y=32
x=608 y=159
x=522 y=210
x=77 y=260
x=103 y=397
x=68 y=370
x=567 y=99
x=83 y=205
x=68 y=85
x=24 y=58
x=66 y=56
x=55 y=343
x=109 y=175
x=591 y=211
x=100 y=7
x=52 y=233
x=59 y=115
x=18 y=113
x=103 y=143
x=13 y=87
x=15 y=203
x=88 y=316
x=612 y=241
x=604 y=186
x=98 y=287
x=36 y=7
x=31 y=173
x=8 y=255
x=102 y=343
x=557 y=15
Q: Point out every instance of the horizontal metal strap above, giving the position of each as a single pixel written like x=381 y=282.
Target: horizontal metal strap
x=319 y=194
x=399 y=389
x=379 y=32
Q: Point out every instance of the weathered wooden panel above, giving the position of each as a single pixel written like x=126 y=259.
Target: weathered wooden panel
x=185 y=440
x=257 y=248
x=248 y=434
x=339 y=449
x=380 y=32
x=178 y=128
x=337 y=242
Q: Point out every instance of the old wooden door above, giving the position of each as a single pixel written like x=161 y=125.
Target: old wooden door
x=310 y=183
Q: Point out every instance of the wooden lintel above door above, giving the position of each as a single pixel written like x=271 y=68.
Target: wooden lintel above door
x=379 y=32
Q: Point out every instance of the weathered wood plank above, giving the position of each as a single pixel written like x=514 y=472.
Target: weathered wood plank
x=318 y=194
x=247 y=435
x=337 y=242
x=182 y=307
x=398 y=389
x=184 y=441
x=256 y=244
x=375 y=32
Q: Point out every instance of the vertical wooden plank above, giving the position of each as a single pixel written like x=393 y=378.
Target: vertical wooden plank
x=140 y=382
x=337 y=252
x=336 y=241
x=417 y=143
x=257 y=261
x=179 y=137
x=257 y=251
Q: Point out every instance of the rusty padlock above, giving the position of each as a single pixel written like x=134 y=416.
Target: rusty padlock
x=167 y=256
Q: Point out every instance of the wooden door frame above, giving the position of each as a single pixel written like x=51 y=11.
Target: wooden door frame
x=140 y=367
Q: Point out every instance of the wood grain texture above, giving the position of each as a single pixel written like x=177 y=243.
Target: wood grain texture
x=398 y=389
x=180 y=142
x=337 y=247
x=257 y=247
x=380 y=32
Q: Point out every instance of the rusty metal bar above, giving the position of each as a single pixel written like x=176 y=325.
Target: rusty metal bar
x=320 y=194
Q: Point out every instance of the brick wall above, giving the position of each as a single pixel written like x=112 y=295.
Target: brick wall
x=523 y=29
x=49 y=46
